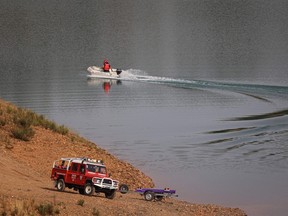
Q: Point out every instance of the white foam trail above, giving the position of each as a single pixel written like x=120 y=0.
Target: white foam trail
x=139 y=75
x=132 y=74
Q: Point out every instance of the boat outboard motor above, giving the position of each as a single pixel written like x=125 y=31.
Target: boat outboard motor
x=118 y=71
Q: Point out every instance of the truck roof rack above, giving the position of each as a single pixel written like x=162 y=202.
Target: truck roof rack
x=83 y=159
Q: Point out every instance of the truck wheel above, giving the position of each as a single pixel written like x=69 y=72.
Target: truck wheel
x=111 y=194
x=60 y=185
x=88 y=189
x=123 y=188
x=149 y=195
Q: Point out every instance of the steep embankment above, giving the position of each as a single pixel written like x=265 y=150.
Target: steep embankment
x=28 y=145
x=37 y=142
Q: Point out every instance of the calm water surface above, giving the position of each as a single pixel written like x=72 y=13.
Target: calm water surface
x=203 y=107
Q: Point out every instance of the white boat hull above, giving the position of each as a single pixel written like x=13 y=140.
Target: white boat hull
x=97 y=72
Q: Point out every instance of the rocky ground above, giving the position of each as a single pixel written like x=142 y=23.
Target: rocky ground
x=26 y=188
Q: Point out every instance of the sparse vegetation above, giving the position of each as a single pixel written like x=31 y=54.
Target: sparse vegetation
x=47 y=209
x=25 y=207
x=95 y=212
x=23 y=133
x=24 y=120
x=80 y=202
x=9 y=109
x=62 y=129
x=27 y=117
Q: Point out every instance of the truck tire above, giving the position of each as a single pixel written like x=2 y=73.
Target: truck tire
x=60 y=185
x=123 y=188
x=149 y=195
x=111 y=194
x=89 y=189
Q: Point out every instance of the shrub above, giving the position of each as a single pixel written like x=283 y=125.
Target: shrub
x=9 y=109
x=62 y=130
x=54 y=127
x=80 y=202
x=23 y=122
x=95 y=212
x=45 y=209
x=23 y=133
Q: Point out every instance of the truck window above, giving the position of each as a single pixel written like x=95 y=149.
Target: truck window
x=82 y=168
x=91 y=167
x=61 y=164
x=101 y=170
x=74 y=167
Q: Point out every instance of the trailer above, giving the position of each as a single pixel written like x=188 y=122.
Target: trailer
x=156 y=194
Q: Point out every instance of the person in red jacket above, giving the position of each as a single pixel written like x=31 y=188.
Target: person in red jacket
x=106 y=87
x=106 y=66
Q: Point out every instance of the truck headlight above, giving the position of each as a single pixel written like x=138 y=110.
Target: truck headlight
x=96 y=181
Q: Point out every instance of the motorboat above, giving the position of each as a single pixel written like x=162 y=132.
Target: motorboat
x=98 y=72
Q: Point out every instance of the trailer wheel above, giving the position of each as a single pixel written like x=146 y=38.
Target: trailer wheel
x=111 y=194
x=149 y=195
x=60 y=185
x=88 y=189
x=123 y=188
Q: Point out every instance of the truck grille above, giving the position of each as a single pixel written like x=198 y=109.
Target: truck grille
x=107 y=181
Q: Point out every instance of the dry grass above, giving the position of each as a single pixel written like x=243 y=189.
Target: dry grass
x=23 y=121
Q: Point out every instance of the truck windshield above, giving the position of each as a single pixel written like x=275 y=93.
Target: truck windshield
x=101 y=170
x=91 y=167
x=96 y=169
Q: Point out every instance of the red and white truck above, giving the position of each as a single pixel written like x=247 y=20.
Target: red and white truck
x=84 y=175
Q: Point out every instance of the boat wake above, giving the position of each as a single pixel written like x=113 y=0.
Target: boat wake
x=256 y=91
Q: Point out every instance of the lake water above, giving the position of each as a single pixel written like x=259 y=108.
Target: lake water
x=203 y=107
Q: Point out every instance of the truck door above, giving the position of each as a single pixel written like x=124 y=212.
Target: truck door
x=72 y=173
x=80 y=179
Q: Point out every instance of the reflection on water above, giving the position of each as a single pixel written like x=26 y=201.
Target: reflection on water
x=105 y=83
